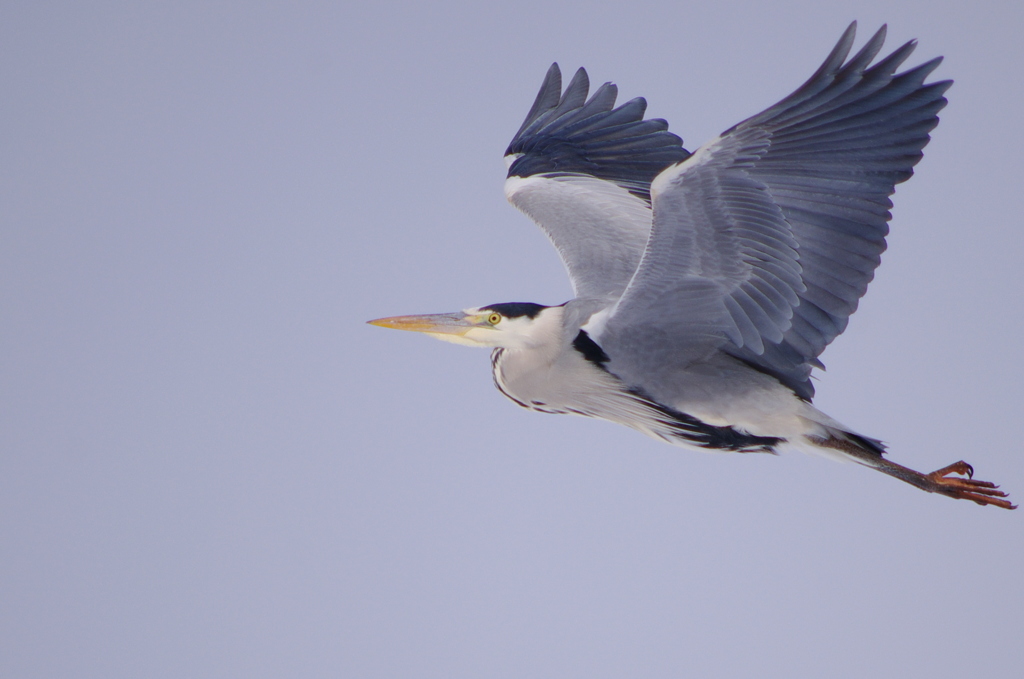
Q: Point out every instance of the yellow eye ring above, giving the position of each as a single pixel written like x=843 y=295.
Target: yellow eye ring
x=494 y=319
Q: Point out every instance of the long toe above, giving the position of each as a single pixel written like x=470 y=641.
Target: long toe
x=982 y=492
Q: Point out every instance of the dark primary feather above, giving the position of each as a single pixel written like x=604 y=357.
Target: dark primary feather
x=567 y=133
x=838 y=148
x=770 y=240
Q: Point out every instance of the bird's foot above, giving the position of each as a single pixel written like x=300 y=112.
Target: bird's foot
x=982 y=492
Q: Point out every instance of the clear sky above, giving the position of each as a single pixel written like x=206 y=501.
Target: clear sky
x=211 y=467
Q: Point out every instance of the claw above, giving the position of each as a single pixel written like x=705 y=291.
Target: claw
x=982 y=492
x=939 y=481
x=960 y=467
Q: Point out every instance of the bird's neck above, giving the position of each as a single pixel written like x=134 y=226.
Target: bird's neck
x=543 y=336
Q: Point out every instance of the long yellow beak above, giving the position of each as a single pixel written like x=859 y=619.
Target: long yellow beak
x=445 y=324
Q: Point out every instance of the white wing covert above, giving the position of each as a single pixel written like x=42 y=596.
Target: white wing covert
x=766 y=238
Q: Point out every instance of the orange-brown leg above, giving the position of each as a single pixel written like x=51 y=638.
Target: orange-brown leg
x=939 y=481
x=982 y=492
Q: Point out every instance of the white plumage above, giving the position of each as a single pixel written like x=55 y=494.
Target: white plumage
x=708 y=284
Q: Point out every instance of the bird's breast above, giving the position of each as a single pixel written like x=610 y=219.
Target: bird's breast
x=567 y=384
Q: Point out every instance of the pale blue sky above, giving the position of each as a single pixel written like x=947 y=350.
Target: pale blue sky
x=210 y=467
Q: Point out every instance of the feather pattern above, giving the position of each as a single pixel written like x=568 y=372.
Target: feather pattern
x=581 y=169
x=576 y=135
x=765 y=239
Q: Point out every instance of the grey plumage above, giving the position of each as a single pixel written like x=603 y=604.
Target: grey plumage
x=708 y=284
x=763 y=245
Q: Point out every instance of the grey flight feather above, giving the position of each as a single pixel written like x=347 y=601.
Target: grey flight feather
x=766 y=238
x=581 y=169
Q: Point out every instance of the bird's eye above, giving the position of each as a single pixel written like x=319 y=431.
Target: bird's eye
x=494 y=319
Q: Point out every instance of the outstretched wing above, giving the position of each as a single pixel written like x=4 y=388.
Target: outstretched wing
x=766 y=238
x=582 y=170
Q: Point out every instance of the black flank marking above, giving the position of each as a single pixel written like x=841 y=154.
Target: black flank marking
x=590 y=349
x=706 y=435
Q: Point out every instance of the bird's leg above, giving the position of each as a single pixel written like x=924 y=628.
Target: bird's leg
x=939 y=481
x=942 y=481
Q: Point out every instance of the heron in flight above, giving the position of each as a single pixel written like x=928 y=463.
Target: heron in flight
x=708 y=283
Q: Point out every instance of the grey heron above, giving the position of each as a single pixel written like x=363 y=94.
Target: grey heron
x=708 y=283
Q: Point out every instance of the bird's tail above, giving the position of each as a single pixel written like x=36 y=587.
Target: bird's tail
x=823 y=435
